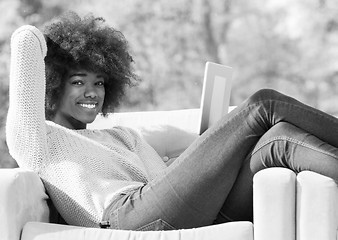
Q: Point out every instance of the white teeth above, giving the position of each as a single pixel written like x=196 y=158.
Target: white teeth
x=85 y=105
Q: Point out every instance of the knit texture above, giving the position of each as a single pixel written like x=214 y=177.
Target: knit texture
x=83 y=170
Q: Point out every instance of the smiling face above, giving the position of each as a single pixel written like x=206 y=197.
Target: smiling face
x=82 y=99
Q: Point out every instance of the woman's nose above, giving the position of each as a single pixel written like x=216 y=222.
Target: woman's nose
x=90 y=92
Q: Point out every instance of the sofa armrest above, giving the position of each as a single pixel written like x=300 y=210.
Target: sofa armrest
x=317 y=207
x=274 y=204
x=22 y=199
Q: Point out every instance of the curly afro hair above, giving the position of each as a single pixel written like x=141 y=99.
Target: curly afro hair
x=86 y=43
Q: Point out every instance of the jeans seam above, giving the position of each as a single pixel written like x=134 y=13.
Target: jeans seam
x=283 y=138
x=146 y=226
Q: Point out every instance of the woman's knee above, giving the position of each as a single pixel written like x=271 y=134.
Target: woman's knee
x=264 y=94
x=284 y=129
x=275 y=147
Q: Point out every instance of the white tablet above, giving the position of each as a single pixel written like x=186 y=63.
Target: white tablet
x=215 y=94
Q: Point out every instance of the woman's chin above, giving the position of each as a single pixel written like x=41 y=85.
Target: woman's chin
x=89 y=120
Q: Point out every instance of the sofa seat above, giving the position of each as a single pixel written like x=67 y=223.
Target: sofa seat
x=274 y=213
x=47 y=231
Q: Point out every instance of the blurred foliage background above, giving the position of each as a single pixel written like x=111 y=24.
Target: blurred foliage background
x=289 y=45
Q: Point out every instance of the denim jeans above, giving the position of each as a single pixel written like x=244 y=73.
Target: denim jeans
x=211 y=182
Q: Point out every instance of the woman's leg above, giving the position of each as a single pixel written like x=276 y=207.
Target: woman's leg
x=283 y=145
x=194 y=188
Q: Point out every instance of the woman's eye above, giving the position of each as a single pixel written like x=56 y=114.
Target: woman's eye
x=101 y=83
x=77 y=82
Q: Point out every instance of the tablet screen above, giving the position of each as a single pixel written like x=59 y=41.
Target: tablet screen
x=215 y=94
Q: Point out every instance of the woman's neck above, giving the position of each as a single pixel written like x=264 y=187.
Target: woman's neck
x=69 y=122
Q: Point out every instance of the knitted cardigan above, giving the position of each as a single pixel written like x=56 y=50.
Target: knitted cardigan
x=83 y=170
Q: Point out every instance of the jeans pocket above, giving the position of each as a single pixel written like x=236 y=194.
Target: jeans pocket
x=156 y=225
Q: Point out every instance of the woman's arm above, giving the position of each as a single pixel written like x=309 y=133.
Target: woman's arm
x=168 y=141
x=25 y=127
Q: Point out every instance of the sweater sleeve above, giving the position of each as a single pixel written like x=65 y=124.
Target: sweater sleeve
x=25 y=127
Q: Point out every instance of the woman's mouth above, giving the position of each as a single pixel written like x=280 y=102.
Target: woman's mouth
x=88 y=105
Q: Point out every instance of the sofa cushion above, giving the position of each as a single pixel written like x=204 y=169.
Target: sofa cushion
x=47 y=231
x=168 y=132
x=187 y=119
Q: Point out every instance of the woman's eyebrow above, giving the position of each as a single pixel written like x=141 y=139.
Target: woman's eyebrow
x=101 y=75
x=77 y=74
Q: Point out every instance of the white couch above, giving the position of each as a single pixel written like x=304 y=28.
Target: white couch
x=286 y=206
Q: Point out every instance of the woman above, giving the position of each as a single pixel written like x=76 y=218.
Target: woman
x=113 y=178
